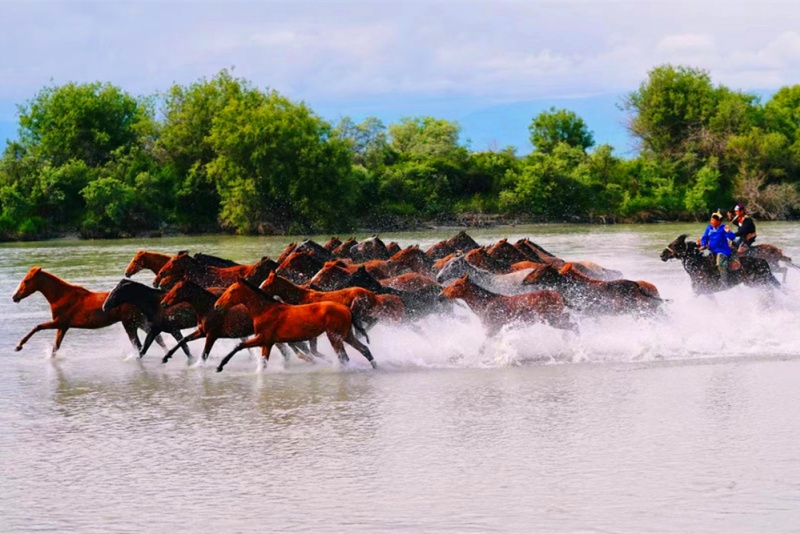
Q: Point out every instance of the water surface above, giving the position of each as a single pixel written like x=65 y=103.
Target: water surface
x=681 y=424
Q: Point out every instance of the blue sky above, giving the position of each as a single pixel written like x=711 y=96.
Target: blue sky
x=491 y=66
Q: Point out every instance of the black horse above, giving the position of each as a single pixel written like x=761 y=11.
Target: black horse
x=703 y=272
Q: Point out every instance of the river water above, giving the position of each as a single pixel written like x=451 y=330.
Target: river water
x=685 y=423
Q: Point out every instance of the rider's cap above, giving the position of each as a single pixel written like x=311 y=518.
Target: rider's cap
x=738 y=207
x=716 y=215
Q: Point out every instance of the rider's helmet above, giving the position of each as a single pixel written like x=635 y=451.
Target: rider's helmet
x=739 y=207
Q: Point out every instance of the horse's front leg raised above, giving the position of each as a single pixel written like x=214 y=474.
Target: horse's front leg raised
x=197 y=334
x=252 y=342
x=44 y=326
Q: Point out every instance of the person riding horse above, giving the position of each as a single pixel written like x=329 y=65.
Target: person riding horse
x=715 y=238
x=745 y=231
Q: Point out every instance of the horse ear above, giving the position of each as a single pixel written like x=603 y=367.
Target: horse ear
x=465 y=278
x=682 y=237
x=35 y=270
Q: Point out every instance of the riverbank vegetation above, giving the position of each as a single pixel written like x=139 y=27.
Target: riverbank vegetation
x=223 y=155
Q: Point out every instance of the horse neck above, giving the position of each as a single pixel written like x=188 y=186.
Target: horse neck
x=287 y=290
x=255 y=301
x=201 y=300
x=145 y=298
x=154 y=261
x=53 y=287
x=477 y=297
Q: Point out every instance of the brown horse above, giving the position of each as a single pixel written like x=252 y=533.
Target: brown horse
x=413 y=259
x=332 y=243
x=154 y=261
x=183 y=266
x=506 y=253
x=392 y=248
x=596 y=296
x=274 y=322
x=497 y=310
x=369 y=249
x=363 y=302
x=461 y=241
x=73 y=306
x=343 y=250
x=232 y=322
x=300 y=266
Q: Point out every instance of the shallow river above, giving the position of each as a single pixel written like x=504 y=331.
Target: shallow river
x=686 y=423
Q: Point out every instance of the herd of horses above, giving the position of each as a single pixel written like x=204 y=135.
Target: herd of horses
x=341 y=289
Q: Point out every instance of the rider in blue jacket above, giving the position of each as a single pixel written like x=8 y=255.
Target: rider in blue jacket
x=715 y=238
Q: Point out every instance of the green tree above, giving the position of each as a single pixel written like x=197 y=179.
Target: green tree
x=426 y=137
x=279 y=164
x=549 y=128
x=185 y=150
x=368 y=141
x=85 y=122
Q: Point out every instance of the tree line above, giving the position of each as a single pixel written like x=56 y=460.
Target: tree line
x=223 y=155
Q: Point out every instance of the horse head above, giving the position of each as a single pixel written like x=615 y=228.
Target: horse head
x=456 y=267
x=28 y=285
x=677 y=249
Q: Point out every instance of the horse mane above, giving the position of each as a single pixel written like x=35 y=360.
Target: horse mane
x=255 y=289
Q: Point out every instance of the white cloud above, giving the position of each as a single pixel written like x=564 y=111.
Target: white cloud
x=494 y=51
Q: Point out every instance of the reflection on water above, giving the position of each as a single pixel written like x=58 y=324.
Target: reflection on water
x=682 y=424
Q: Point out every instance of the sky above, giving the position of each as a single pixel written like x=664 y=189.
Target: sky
x=491 y=66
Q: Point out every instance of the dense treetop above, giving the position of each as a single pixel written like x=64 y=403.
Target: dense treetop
x=223 y=155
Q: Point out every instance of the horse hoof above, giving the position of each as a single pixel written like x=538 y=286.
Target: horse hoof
x=18 y=348
x=164 y=360
x=374 y=364
x=219 y=369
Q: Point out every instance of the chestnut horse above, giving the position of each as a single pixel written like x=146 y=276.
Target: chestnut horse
x=369 y=249
x=461 y=241
x=184 y=266
x=497 y=310
x=300 y=266
x=363 y=302
x=413 y=259
x=596 y=296
x=274 y=322
x=343 y=250
x=73 y=306
x=232 y=322
x=154 y=261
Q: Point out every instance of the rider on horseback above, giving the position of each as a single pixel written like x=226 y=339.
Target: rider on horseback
x=745 y=231
x=715 y=238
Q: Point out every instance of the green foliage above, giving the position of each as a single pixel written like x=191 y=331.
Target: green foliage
x=426 y=137
x=277 y=163
x=552 y=127
x=227 y=155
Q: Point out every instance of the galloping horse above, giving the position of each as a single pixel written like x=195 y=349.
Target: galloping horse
x=154 y=261
x=496 y=310
x=773 y=255
x=232 y=322
x=412 y=258
x=148 y=301
x=461 y=241
x=703 y=271
x=184 y=266
x=73 y=306
x=458 y=266
x=369 y=249
x=362 y=302
x=596 y=296
x=275 y=322
x=300 y=266
x=343 y=250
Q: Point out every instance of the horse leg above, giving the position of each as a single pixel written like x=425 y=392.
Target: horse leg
x=194 y=335
x=133 y=335
x=178 y=337
x=44 y=326
x=338 y=346
x=298 y=350
x=254 y=341
x=148 y=340
x=353 y=341
x=59 y=338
